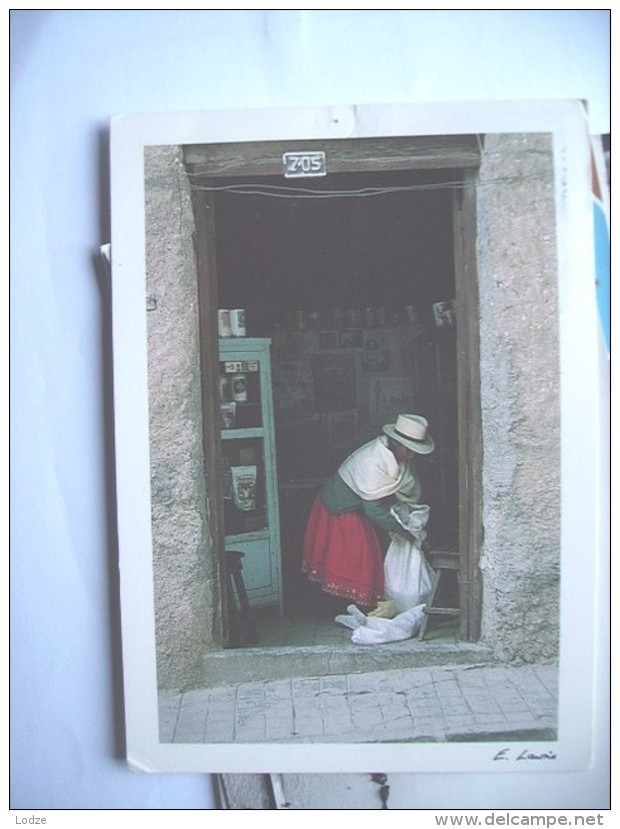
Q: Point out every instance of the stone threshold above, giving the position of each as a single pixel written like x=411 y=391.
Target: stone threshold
x=262 y=664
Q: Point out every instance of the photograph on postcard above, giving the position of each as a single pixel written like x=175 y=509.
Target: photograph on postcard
x=366 y=547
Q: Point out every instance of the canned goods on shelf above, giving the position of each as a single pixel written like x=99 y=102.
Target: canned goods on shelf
x=237 y=322
x=223 y=323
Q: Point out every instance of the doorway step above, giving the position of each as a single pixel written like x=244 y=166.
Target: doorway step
x=267 y=663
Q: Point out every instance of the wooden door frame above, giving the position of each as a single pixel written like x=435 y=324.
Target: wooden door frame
x=205 y=251
x=208 y=162
x=469 y=408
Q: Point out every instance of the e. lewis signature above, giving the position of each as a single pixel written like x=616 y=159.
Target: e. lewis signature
x=524 y=754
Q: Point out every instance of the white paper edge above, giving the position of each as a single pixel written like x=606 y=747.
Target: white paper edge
x=581 y=402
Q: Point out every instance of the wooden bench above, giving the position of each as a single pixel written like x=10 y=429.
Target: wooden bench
x=443 y=563
x=241 y=627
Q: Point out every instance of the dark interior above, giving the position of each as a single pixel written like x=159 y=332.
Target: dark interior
x=344 y=283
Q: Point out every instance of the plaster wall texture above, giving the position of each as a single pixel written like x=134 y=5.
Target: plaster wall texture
x=184 y=573
x=519 y=347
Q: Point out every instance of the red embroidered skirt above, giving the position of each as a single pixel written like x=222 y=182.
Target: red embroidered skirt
x=343 y=554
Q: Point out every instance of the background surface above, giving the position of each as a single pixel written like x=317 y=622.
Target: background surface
x=71 y=71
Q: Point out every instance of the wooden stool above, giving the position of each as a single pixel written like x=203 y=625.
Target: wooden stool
x=240 y=621
x=442 y=562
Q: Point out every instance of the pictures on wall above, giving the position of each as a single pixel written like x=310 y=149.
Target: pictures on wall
x=334 y=382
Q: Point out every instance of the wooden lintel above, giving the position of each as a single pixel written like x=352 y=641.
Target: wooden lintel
x=345 y=155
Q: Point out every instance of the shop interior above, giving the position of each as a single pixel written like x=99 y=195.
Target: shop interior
x=351 y=276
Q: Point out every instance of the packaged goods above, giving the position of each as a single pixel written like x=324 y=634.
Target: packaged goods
x=244 y=487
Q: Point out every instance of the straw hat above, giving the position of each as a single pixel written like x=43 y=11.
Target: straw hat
x=412 y=431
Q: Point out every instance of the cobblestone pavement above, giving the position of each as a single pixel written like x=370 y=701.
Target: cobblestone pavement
x=424 y=705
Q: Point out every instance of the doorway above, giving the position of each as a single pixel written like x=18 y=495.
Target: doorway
x=354 y=278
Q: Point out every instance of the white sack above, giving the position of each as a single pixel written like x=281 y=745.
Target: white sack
x=408 y=575
x=379 y=631
x=369 y=630
x=413 y=518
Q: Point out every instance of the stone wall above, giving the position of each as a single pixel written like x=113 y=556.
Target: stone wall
x=518 y=283
x=184 y=574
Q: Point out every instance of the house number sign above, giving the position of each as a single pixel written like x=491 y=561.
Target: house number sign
x=302 y=165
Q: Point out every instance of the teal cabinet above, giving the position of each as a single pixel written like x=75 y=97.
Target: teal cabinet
x=251 y=509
